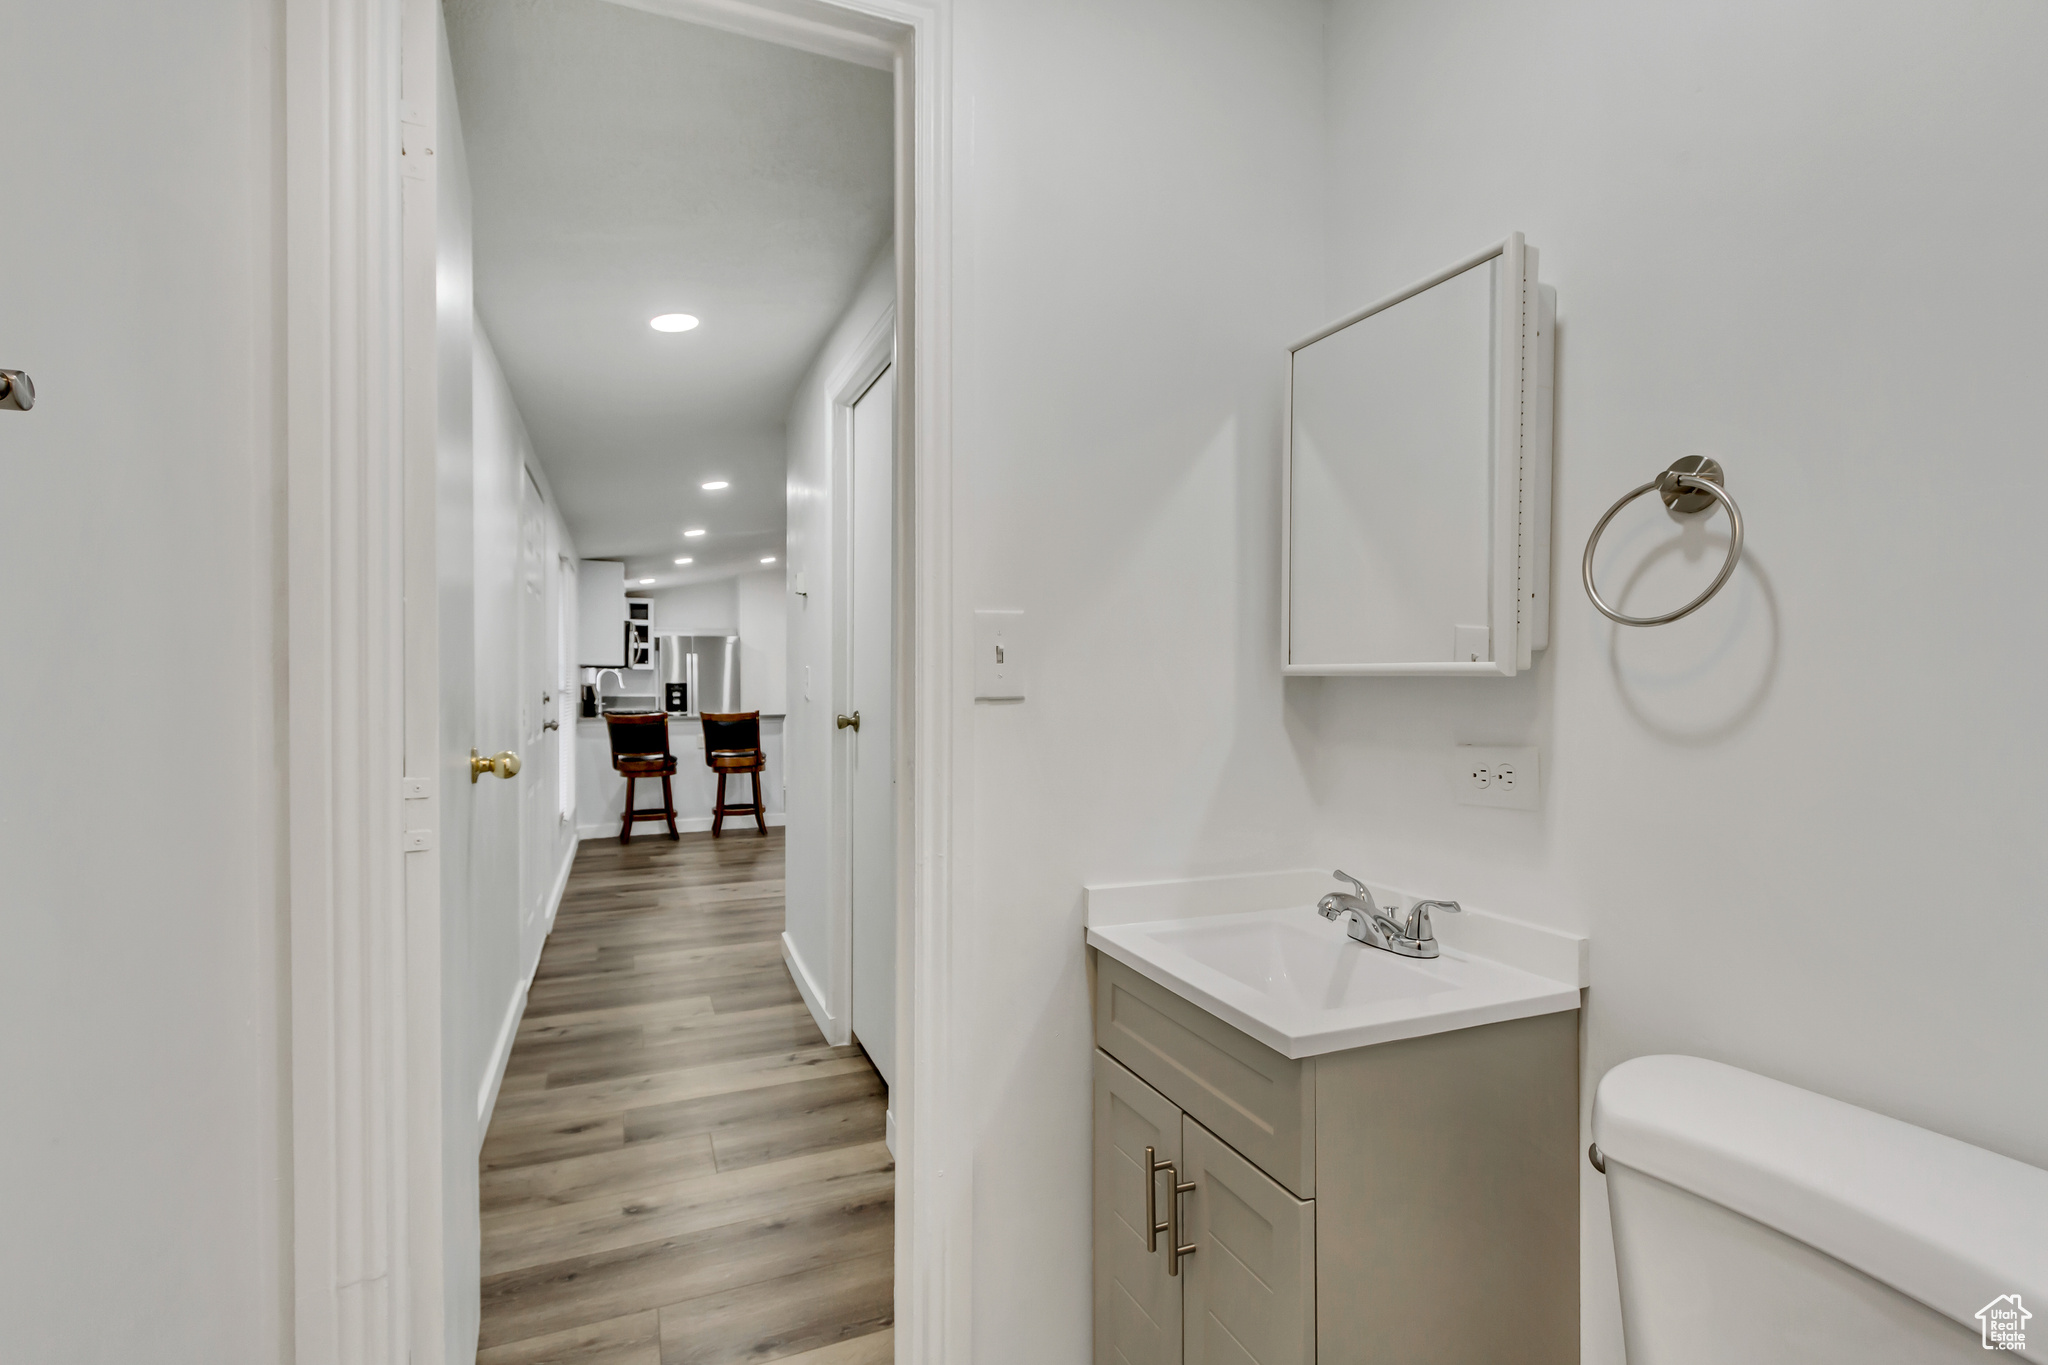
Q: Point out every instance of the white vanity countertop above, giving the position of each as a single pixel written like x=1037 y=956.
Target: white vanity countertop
x=1252 y=951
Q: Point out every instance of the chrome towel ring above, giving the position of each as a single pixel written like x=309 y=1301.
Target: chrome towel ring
x=1691 y=484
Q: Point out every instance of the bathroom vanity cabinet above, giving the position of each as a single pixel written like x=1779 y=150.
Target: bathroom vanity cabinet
x=1411 y=1201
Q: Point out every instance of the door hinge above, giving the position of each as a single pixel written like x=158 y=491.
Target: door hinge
x=415 y=150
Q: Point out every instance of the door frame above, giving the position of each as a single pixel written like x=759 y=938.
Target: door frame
x=361 y=716
x=854 y=377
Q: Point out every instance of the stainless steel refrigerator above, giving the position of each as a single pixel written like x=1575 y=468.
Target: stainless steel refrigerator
x=698 y=673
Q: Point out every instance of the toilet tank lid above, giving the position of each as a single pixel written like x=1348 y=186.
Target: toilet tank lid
x=1939 y=1220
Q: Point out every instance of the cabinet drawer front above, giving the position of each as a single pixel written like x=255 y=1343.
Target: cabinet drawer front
x=1251 y=1280
x=1259 y=1102
x=1137 y=1304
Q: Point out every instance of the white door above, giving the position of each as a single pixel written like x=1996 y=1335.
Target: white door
x=871 y=650
x=497 y=874
x=537 y=709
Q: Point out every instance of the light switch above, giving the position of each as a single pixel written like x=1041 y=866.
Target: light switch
x=998 y=655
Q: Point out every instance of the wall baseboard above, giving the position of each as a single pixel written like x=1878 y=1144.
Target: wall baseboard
x=687 y=824
x=814 y=998
x=501 y=1051
x=555 y=897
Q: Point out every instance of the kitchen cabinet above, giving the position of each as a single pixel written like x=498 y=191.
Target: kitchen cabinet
x=1415 y=1200
x=601 y=614
x=639 y=633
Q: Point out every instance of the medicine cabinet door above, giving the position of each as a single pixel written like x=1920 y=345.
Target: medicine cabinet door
x=1417 y=473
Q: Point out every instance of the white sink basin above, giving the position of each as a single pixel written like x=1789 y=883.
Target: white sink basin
x=1294 y=964
x=1301 y=986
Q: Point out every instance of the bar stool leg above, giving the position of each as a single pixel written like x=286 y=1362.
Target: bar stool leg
x=718 y=808
x=760 y=805
x=626 y=825
x=668 y=804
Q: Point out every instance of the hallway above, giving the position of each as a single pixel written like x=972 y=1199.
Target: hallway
x=679 y=1169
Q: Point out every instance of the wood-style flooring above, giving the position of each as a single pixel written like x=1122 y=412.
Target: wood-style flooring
x=679 y=1170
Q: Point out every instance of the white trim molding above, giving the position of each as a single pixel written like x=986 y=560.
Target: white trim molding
x=837 y=1031
x=796 y=25
x=355 y=1135
x=515 y=1009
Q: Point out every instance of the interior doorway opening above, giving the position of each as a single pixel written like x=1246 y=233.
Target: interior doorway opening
x=668 y=559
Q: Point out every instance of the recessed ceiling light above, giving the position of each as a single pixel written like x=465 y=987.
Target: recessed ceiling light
x=767 y=559
x=694 y=531
x=645 y=581
x=686 y=560
x=673 y=322
x=715 y=485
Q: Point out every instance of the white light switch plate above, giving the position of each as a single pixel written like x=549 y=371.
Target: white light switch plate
x=998 y=655
x=1489 y=775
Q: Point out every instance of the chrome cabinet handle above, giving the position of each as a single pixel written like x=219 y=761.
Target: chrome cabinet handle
x=851 y=722
x=551 y=725
x=1174 y=1250
x=1153 y=1227
x=17 y=390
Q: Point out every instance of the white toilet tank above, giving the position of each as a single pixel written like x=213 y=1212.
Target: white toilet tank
x=1757 y=1223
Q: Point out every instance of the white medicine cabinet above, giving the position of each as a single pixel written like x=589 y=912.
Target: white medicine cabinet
x=1415 y=532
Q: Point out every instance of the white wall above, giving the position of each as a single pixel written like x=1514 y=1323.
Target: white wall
x=1772 y=230
x=763 y=621
x=1800 y=827
x=695 y=608
x=1131 y=259
x=815 y=930
x=144 y=1157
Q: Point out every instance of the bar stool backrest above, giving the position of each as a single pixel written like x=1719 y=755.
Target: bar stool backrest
x=731 y=732
x=638 y=736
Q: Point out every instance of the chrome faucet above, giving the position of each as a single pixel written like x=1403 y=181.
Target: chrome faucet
x=1372 y=926
x=597 y=684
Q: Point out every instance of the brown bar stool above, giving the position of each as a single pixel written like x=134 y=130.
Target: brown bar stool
x=732 y=744
x=640 y=749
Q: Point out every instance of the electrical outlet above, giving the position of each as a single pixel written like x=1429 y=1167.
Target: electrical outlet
x=1487 y=775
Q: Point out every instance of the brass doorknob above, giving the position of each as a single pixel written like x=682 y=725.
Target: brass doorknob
x=851 y=722
x=505 y=764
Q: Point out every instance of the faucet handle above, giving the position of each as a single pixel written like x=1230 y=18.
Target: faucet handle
x=1356 y=884
x=1418 y=927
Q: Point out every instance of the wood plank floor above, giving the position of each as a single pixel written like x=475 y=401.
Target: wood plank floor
x=679 y=1170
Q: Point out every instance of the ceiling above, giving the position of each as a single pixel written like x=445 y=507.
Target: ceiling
x=624 y=164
